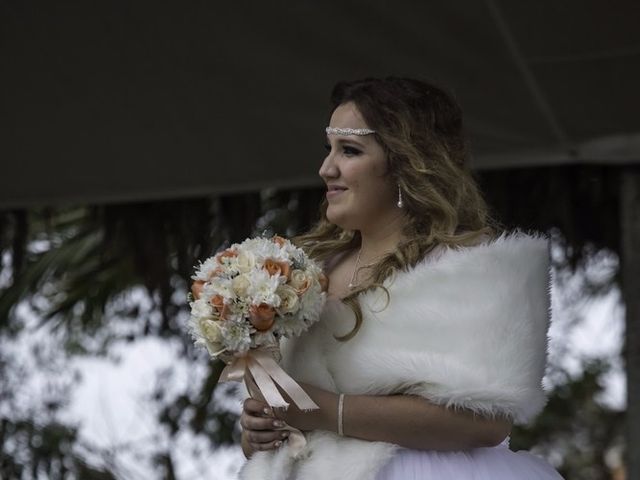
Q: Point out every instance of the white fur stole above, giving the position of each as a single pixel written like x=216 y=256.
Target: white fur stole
x=466 y=328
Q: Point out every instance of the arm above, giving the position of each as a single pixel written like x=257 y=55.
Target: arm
x=406 y=420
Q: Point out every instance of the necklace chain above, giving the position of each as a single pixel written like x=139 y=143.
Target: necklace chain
x=355 y=270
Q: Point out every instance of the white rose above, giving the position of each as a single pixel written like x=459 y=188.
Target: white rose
x=219 y=286
x=288 y=299
x=300 y=280
x=201 y=308
x=241 y=285
x=214 y=349
x=210 y=331
x=245 y=261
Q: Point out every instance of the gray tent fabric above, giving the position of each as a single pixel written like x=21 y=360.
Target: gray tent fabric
x=121 y=101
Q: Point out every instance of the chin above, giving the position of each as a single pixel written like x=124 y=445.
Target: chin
x=335 y=217
x=341 y=220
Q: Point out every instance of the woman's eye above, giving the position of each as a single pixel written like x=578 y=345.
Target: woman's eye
x=349 y=151
x=346 y=150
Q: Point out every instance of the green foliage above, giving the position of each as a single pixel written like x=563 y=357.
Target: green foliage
x=575 y=424
x=71 y=267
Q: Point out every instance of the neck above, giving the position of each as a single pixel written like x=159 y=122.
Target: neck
x=382 y=239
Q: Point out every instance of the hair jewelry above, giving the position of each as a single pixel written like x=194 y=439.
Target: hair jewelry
x=348 y=131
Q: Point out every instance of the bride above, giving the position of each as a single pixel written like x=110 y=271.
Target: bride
x=433 y=339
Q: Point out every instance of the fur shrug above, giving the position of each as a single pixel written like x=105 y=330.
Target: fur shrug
x=466 y=328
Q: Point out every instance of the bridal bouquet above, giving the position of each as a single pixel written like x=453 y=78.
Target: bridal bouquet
x=245 y=299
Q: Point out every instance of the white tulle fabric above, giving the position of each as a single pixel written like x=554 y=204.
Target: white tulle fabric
x=495 y=463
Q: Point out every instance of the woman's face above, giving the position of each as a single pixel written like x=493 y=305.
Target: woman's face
x=359 y=194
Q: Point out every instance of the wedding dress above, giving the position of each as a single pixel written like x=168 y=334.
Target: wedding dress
x=464 y=328
x=493 y=463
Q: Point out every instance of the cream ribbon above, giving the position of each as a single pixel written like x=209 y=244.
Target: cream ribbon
x=267 y=375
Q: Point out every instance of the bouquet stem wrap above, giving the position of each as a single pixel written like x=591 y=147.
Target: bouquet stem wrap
x=262 y=376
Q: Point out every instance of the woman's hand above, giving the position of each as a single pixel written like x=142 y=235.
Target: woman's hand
x=325 y=418
x=259 y=428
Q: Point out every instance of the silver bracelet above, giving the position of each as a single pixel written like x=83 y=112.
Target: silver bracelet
x=340 y=411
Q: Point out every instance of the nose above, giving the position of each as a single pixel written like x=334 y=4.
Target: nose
x=328 y=169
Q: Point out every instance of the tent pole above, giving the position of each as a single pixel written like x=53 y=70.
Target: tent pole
x=630 y=256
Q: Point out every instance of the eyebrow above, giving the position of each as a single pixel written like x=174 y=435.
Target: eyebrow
x=346 y=140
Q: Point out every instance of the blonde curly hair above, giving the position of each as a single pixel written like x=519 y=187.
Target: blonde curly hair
x=419 y=127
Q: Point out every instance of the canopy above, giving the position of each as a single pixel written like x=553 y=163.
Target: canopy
x=120 y=101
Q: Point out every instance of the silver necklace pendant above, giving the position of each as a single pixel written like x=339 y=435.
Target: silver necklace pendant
x=355 y=270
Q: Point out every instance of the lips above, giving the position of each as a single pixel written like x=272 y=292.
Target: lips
x=334 y=190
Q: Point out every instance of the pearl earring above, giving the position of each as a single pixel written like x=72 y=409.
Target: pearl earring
x=400 y=202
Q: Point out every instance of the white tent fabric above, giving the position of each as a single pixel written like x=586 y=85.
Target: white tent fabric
x=113 y=101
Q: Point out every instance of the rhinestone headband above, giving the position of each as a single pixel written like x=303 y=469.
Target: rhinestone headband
x=348 y=131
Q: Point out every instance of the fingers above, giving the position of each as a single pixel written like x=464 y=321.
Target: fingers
x=250 y=422
x=261 y=441
x=266 y=446
x=266 y=437
x=259 y=426
x=256 y=407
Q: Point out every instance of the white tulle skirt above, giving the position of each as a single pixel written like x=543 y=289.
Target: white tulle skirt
x=495 y=463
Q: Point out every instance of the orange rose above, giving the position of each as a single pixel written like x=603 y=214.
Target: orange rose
x=277 y=268
x=262 y=316
x=285 y=269
x=217 y=301
x=279 y=240
x=216 y=272
x=227 y=253
x=272 y=267
x=324 y=282
x=196 y=288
